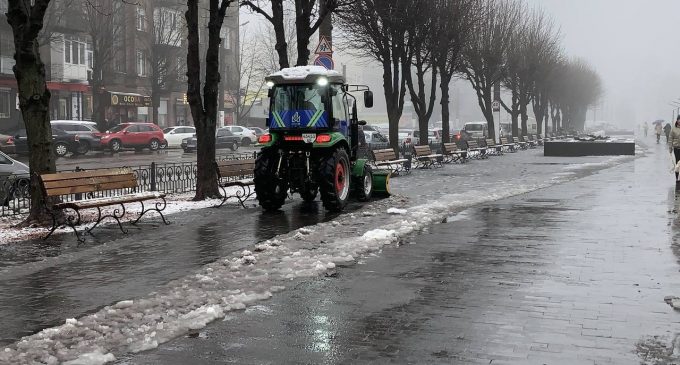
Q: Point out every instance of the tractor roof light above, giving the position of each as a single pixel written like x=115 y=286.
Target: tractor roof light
x=323 y=138
x=265 y=138
x=270 y=84
x=322 y=81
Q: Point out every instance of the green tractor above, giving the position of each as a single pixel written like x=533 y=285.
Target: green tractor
x=313 y=141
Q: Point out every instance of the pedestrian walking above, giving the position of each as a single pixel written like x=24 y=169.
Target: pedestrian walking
x=645 y=127
x=675 y=146
x=667 y=131
x=658 y=130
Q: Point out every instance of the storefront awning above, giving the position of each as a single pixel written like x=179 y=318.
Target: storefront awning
x=129 y=99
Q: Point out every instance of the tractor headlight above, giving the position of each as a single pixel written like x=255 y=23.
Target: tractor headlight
x=322 y=81
x=270 y=84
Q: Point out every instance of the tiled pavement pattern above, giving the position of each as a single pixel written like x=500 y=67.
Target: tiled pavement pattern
x=572 y=274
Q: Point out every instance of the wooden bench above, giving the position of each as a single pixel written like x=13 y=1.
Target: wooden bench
x=475 y=150
x=425 y=158
x=235 y=173
x=523 y=145
x=452 y=153
x=531 y=141
x=70 y=187
x=493 y=148
x=389 y=160
x=508 y=145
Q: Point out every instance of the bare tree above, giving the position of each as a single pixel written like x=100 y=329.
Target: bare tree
x=165 y=39
x=379 y=29
x=484 y=55
x=267 y=58
x=423 y=64
x=547 y=55
x=105 y=25
x=455 y=20
x=26 y=19
x=251 y=74
x=308 y=18
x=204 y=105
x=580 y=88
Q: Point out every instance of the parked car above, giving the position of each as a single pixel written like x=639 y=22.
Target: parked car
x=133 y=135
x=258 y=131
x=374 y=137
x=62 y=142
x=175 y=135
x=7 y=143
x=413 y=138
x=248 y=137
x=87 y=132
x=478 y=130
x=223 y=139
x=460 y=135
x=14 y=179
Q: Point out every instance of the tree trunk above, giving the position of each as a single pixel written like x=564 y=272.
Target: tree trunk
x=204 y=111
x=155 y=103
x=394 y=96
x=280 y=31
x=444 y=86
x=34 y=98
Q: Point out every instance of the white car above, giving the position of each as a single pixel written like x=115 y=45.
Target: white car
x=247 y=136
x=175 y=135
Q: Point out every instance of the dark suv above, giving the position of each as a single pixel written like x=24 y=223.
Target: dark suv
x=89 y=135
x=62 y=142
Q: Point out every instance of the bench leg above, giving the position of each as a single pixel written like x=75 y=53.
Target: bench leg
x=158 y=207
x=71 y=221
x=242 y=196
x=117 y=215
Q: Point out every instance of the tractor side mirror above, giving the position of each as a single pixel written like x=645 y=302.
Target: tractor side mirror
x=368 y=98
x=362 y=122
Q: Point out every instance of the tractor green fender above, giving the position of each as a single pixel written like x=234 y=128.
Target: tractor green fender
x=358 y=168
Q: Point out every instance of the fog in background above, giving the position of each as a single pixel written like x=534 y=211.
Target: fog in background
x=633 y=44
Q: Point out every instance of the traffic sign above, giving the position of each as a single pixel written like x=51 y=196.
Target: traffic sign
x=325 y=60
x=324 y=46
x=496 y=105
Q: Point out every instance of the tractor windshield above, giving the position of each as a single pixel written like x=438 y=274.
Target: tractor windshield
x=299 y=106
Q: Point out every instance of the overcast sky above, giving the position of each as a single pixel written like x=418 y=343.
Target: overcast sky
x=634 y=46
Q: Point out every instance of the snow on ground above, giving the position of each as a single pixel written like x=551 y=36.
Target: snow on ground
x=235 y=282
x=176 y=203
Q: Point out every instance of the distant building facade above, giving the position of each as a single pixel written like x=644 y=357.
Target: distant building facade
x=67 y=52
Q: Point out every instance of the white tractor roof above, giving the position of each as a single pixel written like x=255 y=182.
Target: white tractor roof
x=305 y=74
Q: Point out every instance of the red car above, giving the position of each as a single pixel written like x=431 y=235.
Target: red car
x=134 y=135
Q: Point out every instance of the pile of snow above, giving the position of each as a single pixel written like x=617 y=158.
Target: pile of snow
x=301 y=72
x=396 y=211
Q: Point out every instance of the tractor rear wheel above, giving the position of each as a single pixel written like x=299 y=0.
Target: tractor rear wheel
x=271 y=191
x=335 y=180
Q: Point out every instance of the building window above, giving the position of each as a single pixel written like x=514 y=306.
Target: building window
x=5 y=103
x=90 y=57
x=141 y=63
x=74 y=51
x=141 y=18
x=225 y=34
x=6 y=53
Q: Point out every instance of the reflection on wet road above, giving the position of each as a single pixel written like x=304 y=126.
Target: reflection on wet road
x=572 y=274
x=44 y=284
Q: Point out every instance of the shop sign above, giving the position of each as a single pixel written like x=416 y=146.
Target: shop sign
x=130 y=100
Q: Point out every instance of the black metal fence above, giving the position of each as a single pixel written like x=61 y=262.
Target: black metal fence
x=169 y=178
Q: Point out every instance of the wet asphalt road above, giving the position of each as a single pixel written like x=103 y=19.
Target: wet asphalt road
x=42 y=284
x=571 y=274
x=64 y=280
x=105 y=159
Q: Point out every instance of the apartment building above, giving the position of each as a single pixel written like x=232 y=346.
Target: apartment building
x=149 y=44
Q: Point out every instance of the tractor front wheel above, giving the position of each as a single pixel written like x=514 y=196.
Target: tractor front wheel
x=364 y=187
x=335 y=180
x=270 y=190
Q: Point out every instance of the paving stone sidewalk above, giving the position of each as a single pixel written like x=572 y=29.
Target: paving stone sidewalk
x=572 y=274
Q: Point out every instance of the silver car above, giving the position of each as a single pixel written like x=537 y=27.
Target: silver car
x=14 y=179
